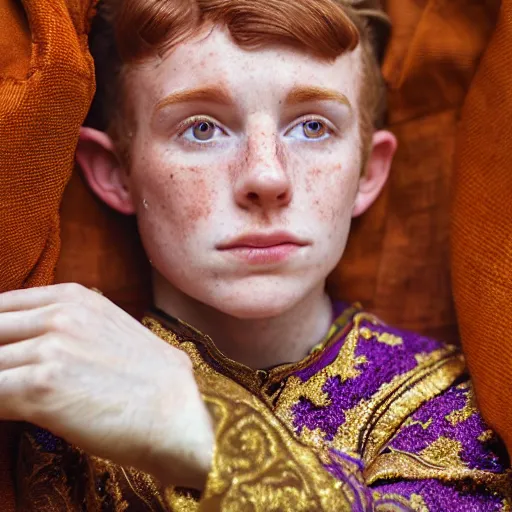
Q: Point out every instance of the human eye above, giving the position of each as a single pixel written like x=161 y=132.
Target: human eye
x=310 y=129
x=200 y=130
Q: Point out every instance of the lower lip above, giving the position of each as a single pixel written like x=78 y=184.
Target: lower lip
x=265 y=255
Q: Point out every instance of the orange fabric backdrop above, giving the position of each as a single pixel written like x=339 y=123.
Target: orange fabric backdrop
x=14 y=62
x=482 y=230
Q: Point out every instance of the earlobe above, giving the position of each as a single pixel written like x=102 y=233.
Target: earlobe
x=376 y=173
x=96 y=156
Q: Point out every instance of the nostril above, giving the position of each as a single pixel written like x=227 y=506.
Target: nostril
x=252 y=196
x=282 y=197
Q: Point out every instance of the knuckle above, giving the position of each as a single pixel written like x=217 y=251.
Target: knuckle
x=67 y=317
x=53 y=349
x=60 y=320
x=71 y=291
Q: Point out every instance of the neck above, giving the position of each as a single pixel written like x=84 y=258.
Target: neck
x=256 y=343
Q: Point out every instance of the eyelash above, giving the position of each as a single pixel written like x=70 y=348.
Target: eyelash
x=189 y=123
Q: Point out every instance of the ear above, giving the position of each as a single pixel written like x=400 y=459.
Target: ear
x=376 y=173
x=97 y=157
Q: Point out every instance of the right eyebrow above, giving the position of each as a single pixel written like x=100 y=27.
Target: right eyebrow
x=211 y=94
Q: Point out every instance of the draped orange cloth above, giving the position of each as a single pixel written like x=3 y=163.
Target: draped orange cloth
x=482 y=229
x=398 y=258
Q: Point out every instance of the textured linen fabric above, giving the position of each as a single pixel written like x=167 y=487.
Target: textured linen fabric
x=46 y=86
x=482 y=229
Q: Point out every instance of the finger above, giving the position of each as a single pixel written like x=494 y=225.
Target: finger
x=20 y=354
x=20 y=300
x=24 y=325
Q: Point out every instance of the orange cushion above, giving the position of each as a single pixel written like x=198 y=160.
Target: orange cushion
x=482 y=230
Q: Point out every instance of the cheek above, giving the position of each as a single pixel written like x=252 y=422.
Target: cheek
x=179 y=199
x=331 y=193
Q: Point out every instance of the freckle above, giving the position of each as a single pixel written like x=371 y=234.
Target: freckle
x=200 y=207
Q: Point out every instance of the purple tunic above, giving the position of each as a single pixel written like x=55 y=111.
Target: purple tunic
x=374 y=418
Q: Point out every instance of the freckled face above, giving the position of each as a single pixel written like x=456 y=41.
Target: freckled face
x=231 y=143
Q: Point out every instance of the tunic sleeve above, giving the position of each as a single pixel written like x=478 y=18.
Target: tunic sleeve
x=258 y=465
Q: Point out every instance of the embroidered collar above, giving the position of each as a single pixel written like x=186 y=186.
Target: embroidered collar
x=258 y=381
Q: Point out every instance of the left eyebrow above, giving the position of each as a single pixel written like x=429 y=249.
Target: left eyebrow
x=307 y=94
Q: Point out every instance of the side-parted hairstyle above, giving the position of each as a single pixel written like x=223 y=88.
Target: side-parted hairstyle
x=126 y=32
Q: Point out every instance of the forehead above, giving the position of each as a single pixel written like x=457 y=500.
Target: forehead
x=212 y=58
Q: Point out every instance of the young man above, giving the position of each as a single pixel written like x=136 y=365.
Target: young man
x=244 y=136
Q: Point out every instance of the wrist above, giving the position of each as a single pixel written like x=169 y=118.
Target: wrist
x=183 y=457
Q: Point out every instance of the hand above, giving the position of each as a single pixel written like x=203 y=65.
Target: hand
x=77 y=365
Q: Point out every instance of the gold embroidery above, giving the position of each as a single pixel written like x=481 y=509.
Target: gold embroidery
x=409 y=422
x=443 y=453
x=345 y=366
x=398 y=400
x=373 y=422
x=404 y=465
x=486 y=436
x=35 y=477
x=181 y=501
x=258 y=466
x=418 y=503
x=382 y=337
x=394 y=502
x=457 y=417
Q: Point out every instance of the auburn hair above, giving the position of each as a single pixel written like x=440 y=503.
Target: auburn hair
x=128 y=31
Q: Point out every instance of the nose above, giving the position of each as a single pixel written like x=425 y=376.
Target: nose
x=263 y=181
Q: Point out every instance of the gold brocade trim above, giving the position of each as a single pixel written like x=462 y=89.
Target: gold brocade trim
x=256 y=381
x=258 y=465
x=405 y=465
x=396 y=503
x=424 y=384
